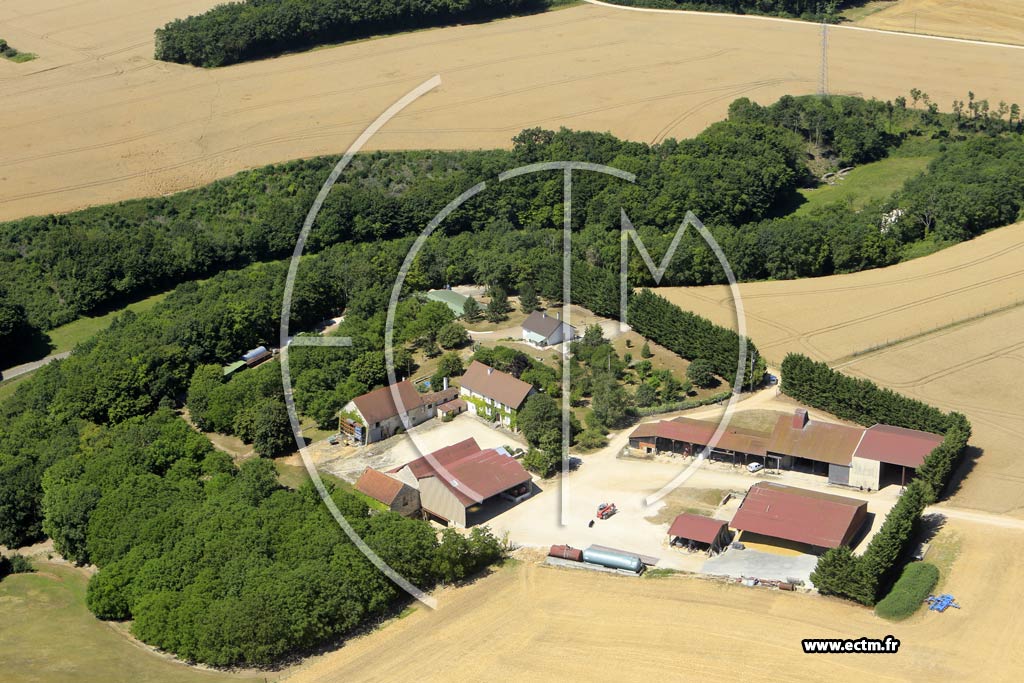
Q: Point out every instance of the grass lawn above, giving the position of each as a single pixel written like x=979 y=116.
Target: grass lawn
x=48 y=634
x=870 y=182
x=943 y=551
x=294 y=476
x=66 y=337
x=851 y=14
x=695 y=501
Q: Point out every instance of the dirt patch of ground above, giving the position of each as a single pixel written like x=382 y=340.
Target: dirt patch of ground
x=1000 y=21
x=95 y=119
x=537 y=623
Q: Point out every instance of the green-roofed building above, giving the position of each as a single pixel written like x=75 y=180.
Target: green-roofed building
x=453 y=300
x=233 y=368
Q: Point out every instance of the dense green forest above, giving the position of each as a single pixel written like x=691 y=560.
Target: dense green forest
x=220 y=564
x=740 y=177
x=250 y=29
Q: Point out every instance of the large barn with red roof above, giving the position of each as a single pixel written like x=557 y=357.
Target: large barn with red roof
x=849 y=456
x=802 y=520
x=458 y=482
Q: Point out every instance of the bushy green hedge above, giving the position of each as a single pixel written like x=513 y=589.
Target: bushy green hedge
x=691 y=336
x=859 y=400
x=915 y=584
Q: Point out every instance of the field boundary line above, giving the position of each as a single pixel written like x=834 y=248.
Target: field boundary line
x=857 y=355
x=758 y=17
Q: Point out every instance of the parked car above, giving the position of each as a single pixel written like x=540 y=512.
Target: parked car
x=772 y=379
x=334 y=439
x=754 y=467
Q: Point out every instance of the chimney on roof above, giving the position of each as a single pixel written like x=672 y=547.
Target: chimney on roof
x=799 y=418
x=446 y=383
x=543 y=315
x=490 y=370
x=558 y=316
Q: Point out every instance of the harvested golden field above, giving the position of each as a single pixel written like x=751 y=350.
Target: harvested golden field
x=536 y=623
x=95 y=119
x=1000 y=21
x=955 y=328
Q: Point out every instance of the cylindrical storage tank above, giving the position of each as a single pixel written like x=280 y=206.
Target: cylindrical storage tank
x=610 y=558
x=566 y=552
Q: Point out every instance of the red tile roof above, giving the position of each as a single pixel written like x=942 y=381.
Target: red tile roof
x=696 y=528
x=471 y=474
x=457 y=405
x=897 y=445
x=818 y=519
x=379 y=404
x=496 y=385
x=820 y=441
x=379 y=486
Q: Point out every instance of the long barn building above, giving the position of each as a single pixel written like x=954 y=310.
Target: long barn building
x=849 y=456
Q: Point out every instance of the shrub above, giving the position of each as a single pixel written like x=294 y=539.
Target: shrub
x=15 y=564
x=915 y=584
x=543 y=462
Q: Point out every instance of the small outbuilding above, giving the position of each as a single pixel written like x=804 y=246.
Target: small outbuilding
x=453 y=300
x=256 y=356
x=396 y=494
x=698 y=532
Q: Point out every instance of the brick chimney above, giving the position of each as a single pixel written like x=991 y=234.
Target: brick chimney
x=799 y=418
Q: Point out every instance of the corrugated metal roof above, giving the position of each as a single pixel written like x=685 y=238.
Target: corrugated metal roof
x=897 y=445
x=496 y=385
x=696 y=528
x=471 y=474
x=820 y=441
x=811 y=517
x=379 y=404
x=453 y=300
x=700 y=432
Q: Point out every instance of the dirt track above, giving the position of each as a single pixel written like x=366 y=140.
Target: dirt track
x=95 y=119
x=972 y=366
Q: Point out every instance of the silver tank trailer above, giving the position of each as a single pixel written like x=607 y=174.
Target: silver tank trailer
x=612 y=559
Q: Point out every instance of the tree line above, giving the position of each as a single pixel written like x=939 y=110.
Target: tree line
x=867 y=578
x=739 y=177
x=250 y=29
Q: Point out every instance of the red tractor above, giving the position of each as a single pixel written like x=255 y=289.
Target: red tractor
x=606 y=510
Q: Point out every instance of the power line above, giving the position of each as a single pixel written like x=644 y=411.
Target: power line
x=823 y=76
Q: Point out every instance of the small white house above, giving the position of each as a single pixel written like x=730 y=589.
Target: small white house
x=541 y=329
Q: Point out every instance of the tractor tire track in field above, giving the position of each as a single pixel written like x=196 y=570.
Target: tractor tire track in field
x=805 y=338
